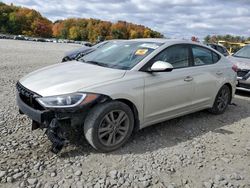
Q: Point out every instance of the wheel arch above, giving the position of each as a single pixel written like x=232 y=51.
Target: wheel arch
x=134 y=110
x=230 y=88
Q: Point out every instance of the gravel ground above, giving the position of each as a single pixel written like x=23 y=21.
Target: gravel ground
x=197 y=150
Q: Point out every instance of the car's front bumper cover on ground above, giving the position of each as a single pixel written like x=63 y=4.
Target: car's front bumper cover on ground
x=60 y=124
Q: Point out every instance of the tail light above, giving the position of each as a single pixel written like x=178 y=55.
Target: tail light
x=235 y=68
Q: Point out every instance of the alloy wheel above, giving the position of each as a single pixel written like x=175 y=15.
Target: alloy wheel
x=113 y=128
x=223 y=99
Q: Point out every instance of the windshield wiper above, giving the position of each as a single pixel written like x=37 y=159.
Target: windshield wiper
x=105 y=65
x=96 y=63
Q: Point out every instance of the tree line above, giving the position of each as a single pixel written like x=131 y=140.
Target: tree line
x=228 y=38
x=24 y=21
x=16 y=20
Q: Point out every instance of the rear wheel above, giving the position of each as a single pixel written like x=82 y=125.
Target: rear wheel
x=108 y=126
x=221 y=101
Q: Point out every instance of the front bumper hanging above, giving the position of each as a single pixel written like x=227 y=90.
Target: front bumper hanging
x=62 y=125
x=55 y=135
x=59 y=125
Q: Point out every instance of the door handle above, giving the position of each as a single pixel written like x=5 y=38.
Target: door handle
x=188 y=79
x=219 y=73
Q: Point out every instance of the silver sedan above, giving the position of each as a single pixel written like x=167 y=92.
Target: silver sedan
x=242 y=60
x=125 y=86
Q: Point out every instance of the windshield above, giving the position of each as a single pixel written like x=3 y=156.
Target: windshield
x=120 y=54
x=244 y=52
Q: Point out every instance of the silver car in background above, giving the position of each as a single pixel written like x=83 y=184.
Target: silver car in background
x=242 y=60
x=125 y=86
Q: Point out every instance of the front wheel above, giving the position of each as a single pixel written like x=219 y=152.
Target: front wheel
x=108 y=126
x=65 y=59
x=221 y=101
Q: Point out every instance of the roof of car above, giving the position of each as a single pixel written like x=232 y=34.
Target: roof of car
x=162 y=40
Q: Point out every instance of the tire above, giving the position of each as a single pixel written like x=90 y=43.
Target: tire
x=222 y=100
x=101 y=127
x=65 y=59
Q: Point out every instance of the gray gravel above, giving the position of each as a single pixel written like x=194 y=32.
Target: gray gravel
x=197 y=150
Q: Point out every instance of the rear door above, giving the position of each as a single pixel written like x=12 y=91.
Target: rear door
x=206 y=76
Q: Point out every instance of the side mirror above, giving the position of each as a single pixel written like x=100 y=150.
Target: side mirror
x=161 y=66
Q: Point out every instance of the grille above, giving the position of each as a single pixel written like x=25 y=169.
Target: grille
x=242 y=73
x=28 y=97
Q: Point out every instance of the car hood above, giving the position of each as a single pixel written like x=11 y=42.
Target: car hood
x=68 y=77
x=77 y=51
x=242 y=63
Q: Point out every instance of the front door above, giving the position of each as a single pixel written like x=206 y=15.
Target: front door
x=169 y=94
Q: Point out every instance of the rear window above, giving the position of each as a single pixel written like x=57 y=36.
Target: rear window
x=204 y=56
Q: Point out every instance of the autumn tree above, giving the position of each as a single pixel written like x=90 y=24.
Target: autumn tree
x=103 y=30
x=146 y=33
x=19 y=20
x=119 y=30
x=42 y=28
x=57 y=28
x=133 y=34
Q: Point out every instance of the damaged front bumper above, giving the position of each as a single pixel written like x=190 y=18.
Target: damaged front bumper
x=39 y=116
x=62 y=124
x=59 y=125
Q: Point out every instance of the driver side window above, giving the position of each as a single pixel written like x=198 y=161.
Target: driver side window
x=177 y=55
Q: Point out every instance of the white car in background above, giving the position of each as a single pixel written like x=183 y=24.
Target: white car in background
x=242 y=60
x=125 y=86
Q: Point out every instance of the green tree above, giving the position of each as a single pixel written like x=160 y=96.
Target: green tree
x=207 y=39
x=74 y=33
x=5 y=11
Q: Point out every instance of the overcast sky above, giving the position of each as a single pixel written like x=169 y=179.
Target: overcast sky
x=173 y=18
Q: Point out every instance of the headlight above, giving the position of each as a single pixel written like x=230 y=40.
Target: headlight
x=65 y=101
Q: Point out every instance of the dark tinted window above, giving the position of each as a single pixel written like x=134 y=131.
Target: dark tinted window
x=212 y=46
x=224 y=50
x=216 y=57
x=202 y=56
x=220 y=49
x=177 y=55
